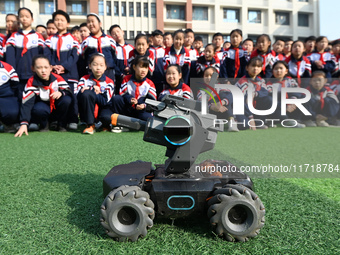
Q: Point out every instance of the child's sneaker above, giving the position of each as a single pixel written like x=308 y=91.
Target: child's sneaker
x=117 y=130
x=294 y=124
x=33 y=127
x=309 y=123
x=90 y=129
x=232 y=125
x=73 y=126
x=322 y=123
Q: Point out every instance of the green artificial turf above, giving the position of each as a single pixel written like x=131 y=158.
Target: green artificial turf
x=51 y=192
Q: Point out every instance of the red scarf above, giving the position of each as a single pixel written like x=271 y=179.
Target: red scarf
x=237 y=61
x=24 y=50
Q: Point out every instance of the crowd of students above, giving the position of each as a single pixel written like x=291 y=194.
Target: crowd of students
x=51 y=78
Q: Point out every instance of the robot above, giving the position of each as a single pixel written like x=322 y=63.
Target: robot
x=137 y=191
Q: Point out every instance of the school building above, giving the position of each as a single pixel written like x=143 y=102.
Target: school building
x=296 y=19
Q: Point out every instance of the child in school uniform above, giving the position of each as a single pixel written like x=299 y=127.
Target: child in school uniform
x=287 y=48
x=217 y=41
x=62 y=49
x=142 y=49
x=198 y=46
x=174 y=85
x=22 y=46
x=321 y=59
x=135 y=89
x=278 y=47
x=261 y=98
x=264 y=51
x=46 y=97
x=177 y=54
x=208 y=59
x=9 y=104
x=95 y=92
x=336 y=54
x=309 y=44
x=248 y=46
x=299 y=66
x=235 y=58
x=168 y=40
x=98 y=42
x=158 y=51
x=323 y=104
x=188 y=44
x=123 y=50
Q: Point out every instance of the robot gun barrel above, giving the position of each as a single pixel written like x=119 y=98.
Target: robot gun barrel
x=128 y=122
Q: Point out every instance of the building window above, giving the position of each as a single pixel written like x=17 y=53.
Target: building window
x=139 y=10
x=131 y=14
x=282 y=18
x=204 y=37
x=231 y=15
x=132 y=35
x=153 y=10
x=116 y=8
x=254 y=17
x=108 y=8
x=124 y=9
x=175 y=12
x=76 y=7
x=303 y=20
x=101 y=8
x=125 y=34
x=45 y=7
x=303 y=0
x=199 y=13
x=146 y=10
x=9 y=6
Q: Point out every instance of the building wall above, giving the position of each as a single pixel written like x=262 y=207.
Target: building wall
x=215 y=16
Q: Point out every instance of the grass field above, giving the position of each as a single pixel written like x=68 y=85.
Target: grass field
x=51 y=192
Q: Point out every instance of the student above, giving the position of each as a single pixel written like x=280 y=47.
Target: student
x=282 y=80
x=321 y=59
x=288 y=48
x=278 y=47
x=223 y=109
x=167 y=40
x=75 y=32
x=2 y=48
x=95 y=92
x=336 y=53
x=188 y=44
x=208 y=59
x=9 y=104
x=174 y=85
x=135 y=89
x=198 y=45
x=177 y=54
x=158 y=51
x=226 y=45
x=98 y=42
x=299 y=66
x=309 y=45
x=123 y=50
x=261 y=98
x=142 y=49
x=217 y=41
x=51 y=28
x=46 y=96
x=12 y=24
x=234 y=59
x=323 y=104
x=248 y=46
x=84 y=31
x=264 y=51
x=22 y=46
x=41 y=29
x=62 y=49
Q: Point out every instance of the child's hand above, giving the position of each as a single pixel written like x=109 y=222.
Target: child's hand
x=291 y=108
x=218 y=108
x=319 y=64
x=83 y=89
x=252 y=124
x=140 y=107
x=127 y=70
x=22 y=129
x=134 y=101
x=56 y=95
x=96 y=89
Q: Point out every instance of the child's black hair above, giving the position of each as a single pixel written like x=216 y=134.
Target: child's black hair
x=139 y=36
x=24 y=8
x=83 y=25
x=40 y=26
x=167 y=33
x=281 y=62
x=178 y=32
x=210 y=44
x=288 y=40
x=257 y=61
x=319 y=72
x=296 y=41
x=320 y=38
x=248 y=39
x=189 y=30
x=178 y=68
x=335 y=42
x=239 y=31
x=141 y=61
x=61 y=12
x=93 y=56
x=198 y=39
x=50 y=21
x=75 y=28
x=212 y=68
x=157 y=32
x=267 y=37
x=36 y=57
x=310 y=38
x=279 y=39
x=113 y=27
x=217 y=34
x=94 y=15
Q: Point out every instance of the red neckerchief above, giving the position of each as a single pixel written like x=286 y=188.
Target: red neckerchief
x=24 y=44
x=237 y=61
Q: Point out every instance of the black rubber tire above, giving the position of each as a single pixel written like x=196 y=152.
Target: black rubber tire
x=236 y=213
x=127 y=213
